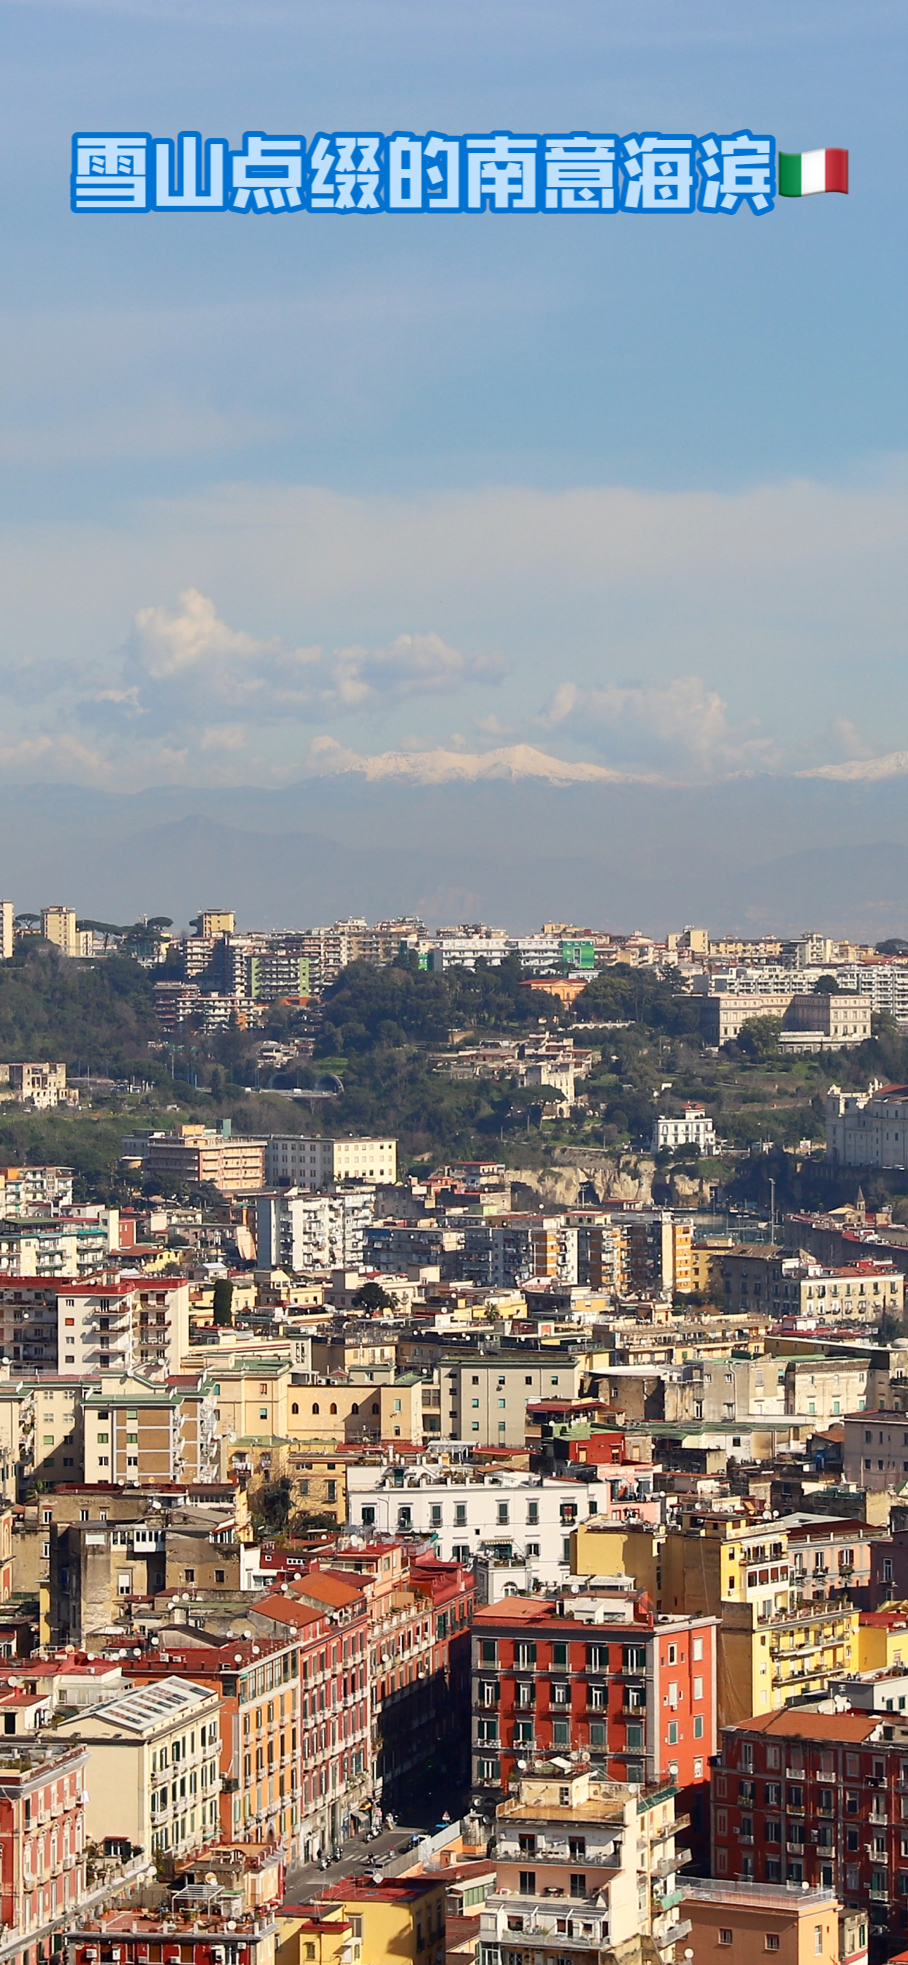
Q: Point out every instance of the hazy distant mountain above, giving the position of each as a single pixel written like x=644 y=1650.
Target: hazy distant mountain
x=748 y=853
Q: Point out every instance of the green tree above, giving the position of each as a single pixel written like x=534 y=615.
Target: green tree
x=758 y=1038
x=372 y=1297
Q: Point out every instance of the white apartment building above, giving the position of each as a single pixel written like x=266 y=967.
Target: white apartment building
x=868 y=1129
x=694 y=1128
x=520 y=1516
x=307 y=1234
x=124 y=1326
x=295 y=1160
x=7 y=931
x=585 y=1865
x=24 y=1189
x=83 y=1328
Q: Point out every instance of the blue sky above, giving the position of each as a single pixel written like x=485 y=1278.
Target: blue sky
x=432 y=497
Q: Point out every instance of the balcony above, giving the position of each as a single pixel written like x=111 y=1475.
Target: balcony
x=676 y=1827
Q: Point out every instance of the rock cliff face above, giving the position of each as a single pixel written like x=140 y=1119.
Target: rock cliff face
x=613 y=1177
x=567 y=1181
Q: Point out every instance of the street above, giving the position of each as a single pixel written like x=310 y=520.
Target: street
x=357 y=1858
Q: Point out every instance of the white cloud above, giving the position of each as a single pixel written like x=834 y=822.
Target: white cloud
x=681 y=633
x=182 y=663
x=681 y=720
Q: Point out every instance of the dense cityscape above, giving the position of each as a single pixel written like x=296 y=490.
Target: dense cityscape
x=454 y=1452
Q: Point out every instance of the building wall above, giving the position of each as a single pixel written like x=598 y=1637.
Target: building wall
x=484 y=1401
x=727 y=1929
x=867 y=1129
x=156 y=1782
x=640 y=1699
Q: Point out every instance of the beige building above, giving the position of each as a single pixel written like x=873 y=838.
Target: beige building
x=17 y=1434
x=7 y=930
x=833 y=1021
x=730 y=1923
x=354 y=1412
x=484 y=1400
x=59 y=926
x=814 y=1021
x=759 y=1278
x=312 y=1162
x=198 y=1156
x=140 y=1433
x=155 y=1766
x=215 y=921
x=250 y=1396
x=586 y=1864
x=39 y=1084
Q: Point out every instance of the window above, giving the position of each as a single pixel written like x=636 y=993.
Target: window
x=698 y=1726
x=818 y=1940
x=219 y=1575
x=578 y=1884
x=726 y=1936
x=672 y=1733
x=771 y=1941
x=527 y=1884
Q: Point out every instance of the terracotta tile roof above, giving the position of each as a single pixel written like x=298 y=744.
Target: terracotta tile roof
x=796 y=1724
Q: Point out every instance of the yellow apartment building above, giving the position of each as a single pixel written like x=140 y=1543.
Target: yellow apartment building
x=317 y=1934
x=615 y=1548
x=399 y=1921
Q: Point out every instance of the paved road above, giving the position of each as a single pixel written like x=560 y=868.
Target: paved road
x=357 y=1855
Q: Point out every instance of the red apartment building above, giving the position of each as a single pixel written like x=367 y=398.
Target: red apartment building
x=295 y=1717
x=420 y=1611
x=818 y=1800
x=633 y=1693
x=42 y=1844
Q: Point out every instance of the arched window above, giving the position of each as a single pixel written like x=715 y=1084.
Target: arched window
x=332 y=1408
x=376 y=1408
x=354 y=1408
x=315 y=1408
x=294 y=1407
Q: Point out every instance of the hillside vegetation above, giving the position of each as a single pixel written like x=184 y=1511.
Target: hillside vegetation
x=379 y=1032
